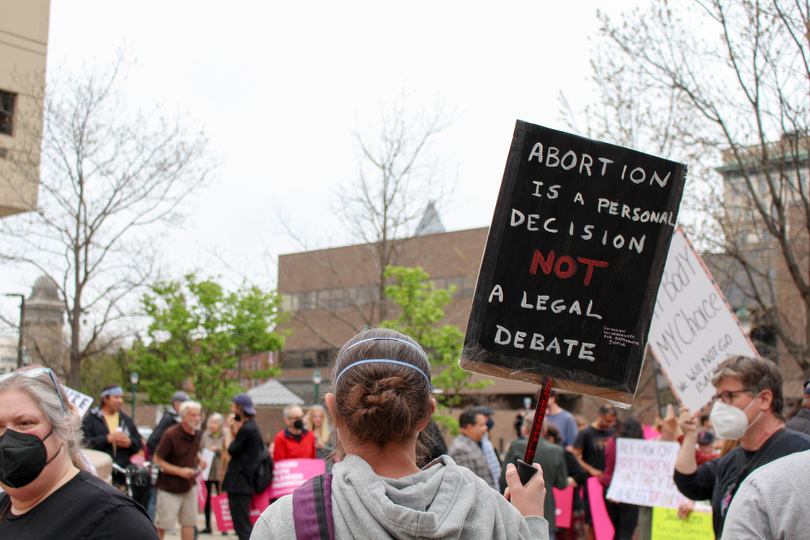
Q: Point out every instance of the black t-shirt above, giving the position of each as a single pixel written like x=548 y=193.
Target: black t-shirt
x=713 y=479
x=84 y=508
x=593 y=441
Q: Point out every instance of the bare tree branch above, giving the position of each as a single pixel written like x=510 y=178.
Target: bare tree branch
x=111 y=182
x=724 y=81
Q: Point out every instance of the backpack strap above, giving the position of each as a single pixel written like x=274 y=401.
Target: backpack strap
x=312 y=509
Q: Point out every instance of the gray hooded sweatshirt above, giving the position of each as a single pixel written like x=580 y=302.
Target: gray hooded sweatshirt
x=443 y=500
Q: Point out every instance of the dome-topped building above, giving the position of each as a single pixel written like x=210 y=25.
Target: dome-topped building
x=44 y=326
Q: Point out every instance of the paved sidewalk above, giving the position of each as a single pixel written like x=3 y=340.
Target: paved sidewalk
x=175 y=535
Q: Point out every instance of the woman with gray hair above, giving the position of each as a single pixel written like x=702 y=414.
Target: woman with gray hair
x=48 y=494
x=382 y=400
x=213 y=439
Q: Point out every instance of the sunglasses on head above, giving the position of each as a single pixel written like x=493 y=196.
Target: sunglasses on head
x=36 y=372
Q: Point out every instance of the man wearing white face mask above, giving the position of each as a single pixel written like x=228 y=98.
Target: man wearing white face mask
x=747 y=406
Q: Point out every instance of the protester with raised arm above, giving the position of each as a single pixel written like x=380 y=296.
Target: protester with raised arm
x=748 y=406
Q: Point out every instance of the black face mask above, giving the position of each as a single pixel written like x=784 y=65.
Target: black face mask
x=22 y=458
x=237 y=417
x=298 y=424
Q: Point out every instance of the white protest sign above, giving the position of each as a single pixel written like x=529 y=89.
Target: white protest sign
x=643 y=473
x=693 y=328
x=208 y=456
x=77 y=398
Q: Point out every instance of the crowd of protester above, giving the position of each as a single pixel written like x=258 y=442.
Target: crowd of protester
x=740 y=455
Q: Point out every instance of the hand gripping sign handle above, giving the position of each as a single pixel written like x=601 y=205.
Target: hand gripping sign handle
x=524 y=467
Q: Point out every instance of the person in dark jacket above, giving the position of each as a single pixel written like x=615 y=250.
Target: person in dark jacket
x=107 y=429
x=577 y=477
x=245 y=454
x=171 y=416
x=551 y=458
x=431 y=443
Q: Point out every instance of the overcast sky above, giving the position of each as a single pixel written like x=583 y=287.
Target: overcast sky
x=281 y=87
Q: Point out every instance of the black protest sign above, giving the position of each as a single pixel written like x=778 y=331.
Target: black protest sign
x=573 y=260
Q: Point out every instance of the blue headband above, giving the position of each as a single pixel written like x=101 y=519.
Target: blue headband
x=383 y=360
x=114 y=391
x=383 y=339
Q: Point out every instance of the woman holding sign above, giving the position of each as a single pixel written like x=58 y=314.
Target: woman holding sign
x=381 y=402
x=623 y=516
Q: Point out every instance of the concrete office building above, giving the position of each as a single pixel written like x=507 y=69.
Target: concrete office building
x=23 y=55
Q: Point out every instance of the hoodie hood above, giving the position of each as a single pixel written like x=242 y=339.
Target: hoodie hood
x=442 y=500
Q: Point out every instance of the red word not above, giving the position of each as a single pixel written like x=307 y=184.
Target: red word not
x=565 y=267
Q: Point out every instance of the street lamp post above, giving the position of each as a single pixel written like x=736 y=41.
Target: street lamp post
x=133 y=378
x=22 y=324
x=316 y=380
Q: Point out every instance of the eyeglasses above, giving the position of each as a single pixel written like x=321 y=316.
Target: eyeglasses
x=36 y=372
x=727 y=396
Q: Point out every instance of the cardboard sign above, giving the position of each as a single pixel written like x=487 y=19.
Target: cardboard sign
x=208 y=456
x=643 y=474
x=222 y=512
x=564 y=502
x=602 y=526
x=258 y=503
x=82 y=402
x=666 y=525
x=693 y=328
x=202 y=491
x=288 y=474
x=573 y=260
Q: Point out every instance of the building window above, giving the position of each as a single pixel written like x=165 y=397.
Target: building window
x=7 y=102
x=307 y=358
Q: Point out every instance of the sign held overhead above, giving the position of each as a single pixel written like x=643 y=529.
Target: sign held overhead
x=693 y=328
x=572 y=264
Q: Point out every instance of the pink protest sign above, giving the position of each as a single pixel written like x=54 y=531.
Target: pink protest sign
x=222 y=512
x=602 y=526
x=650 y=433
x=258 y=503
x=288 y=474
x=564 y=499
x=202 y=492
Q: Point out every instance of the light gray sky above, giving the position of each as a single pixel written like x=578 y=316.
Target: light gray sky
x=280 y=86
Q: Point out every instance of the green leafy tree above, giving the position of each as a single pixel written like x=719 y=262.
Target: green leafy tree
x=421 y=310
x=198 y=333
x=104 y=369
